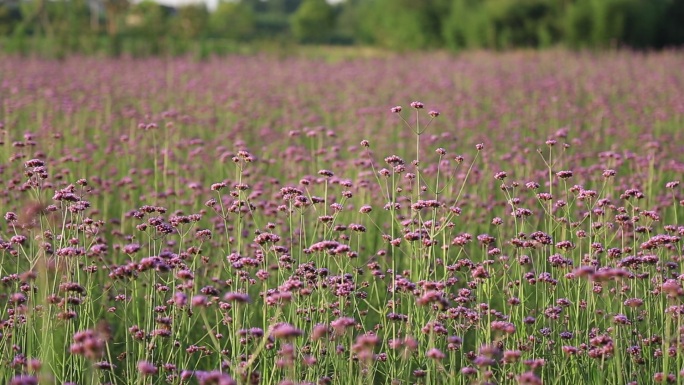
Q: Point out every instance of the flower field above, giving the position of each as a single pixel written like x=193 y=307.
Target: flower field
x=489 y=218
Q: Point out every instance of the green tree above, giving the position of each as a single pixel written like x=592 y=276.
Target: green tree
x=672 y=27
x=313 y=22
x=349 y=27
x=146 y=30
x=69 y=17
x=9 y=19
x=406 y=24
x=191 y=21
x=602 y=23
x=115 y=10
x=466 y=25
x=523 y=23
x=147 y=19
x=232 y=20
x=34 y=18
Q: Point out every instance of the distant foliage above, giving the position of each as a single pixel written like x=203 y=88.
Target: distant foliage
x=143 y=28
x=191 y=21
x=313 y=22
x=528 y=23
x=232 y=20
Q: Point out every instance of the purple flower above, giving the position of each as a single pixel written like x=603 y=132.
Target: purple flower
x=104 y=365
x=435 y=354
x=468 y=371
x=236 y=297
x=146 y=369
x=199 y=301
x=529 y=378
x=24 y=380
x=214 y=378
x=285 y=331
x=342 y=323
x=319 y=331
x=608 y=173
x=511 y=356
x=633 y=302
x=131 y=248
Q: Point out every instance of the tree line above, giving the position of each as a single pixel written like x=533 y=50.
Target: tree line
x=147 y=27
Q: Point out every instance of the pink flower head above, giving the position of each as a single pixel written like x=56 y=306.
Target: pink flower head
x=146 y=369
x=435 y=354
x=285 y=331
x=237 y=297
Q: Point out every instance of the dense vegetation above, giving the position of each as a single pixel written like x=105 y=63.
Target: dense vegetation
x=143 y=28
x=254 y=220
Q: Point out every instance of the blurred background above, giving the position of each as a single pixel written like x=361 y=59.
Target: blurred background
x=204 y=28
